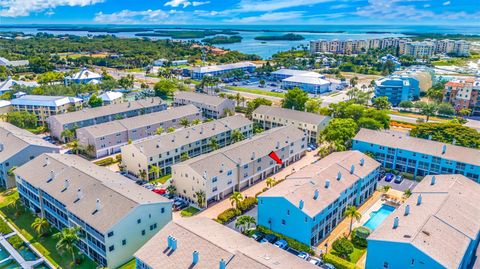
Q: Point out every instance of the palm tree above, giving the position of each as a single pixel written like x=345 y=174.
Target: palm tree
x=143 y=174
x=385 y=188
x=171 y=189
x=196 y=122
x=352 y=213
x=236 y=198
x=200 y=198
x=213 y=144
x=249 y=220
x=184 y=122
x=73 y=145
x=407 y=193
x=67 y=135
x=159 y=130
x=67 y=239
x=170 y=130
x=155 y=170
x=244 y=222
x=184 y=156
x=236 y=136
x=41 y=226
x=240 y=224
x=238 y=97
x=90 y=150
x=270 y=182
x=16 y=206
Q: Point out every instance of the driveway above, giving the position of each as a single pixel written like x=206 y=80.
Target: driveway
x=406 y=184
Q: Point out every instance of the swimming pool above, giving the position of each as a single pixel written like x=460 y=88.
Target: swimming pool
x=377 y=217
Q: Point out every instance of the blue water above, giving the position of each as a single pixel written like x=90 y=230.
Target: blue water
x=267 y=49
x=377 y=217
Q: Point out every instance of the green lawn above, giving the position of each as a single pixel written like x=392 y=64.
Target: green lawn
x=255 y=91
x=162 y=179
x=189 y=211
x=128 y=265
x=46 y=245
x=456 y=61
x=355 y=255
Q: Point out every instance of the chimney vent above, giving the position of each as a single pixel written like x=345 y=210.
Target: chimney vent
x=300 y=204
x=221 y=168
x=396 y=220
x=407 y=210
x=253 y=156
x=327 y=183
x=47 y=161
x=169 y=241
x=278 y=145
x=419 y=199
x=352 y=169
x=205 y=174
x=1 y=147
x=98 y=205
x=52 y=176
x=434 y=180
x=174 y=244
x=66 y=184
x=223 y=265
x=362 y=161
x=195 y=257
x=339 y=175
x=79 y=194
x=173 y=138
x=444 y=149
x=315 y=194
x=141 y=149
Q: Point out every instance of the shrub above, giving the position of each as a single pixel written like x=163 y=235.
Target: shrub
x=264 y=189
x=228 y=215
x=291 y=242
x=105 y=162
x=343 y=247
x=361 y=232
x=15 y=241
x=118 y=157
x=338 y=262
x=258 y=193
x=4 y=228
x=247 y=204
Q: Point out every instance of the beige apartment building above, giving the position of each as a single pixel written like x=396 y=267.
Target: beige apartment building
x=170 y=148
x=271 y=117
x=91 y=116
x=237 y=166
x=212 y=106
x=107 y=138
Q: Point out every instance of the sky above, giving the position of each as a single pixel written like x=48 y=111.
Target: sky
x=240 y=12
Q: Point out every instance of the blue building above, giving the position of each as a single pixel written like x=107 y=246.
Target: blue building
x=391 y=58
x=115 y=216
x=84 y=76
x=218 y=70
x=311 y=82
x=437 y=227
x=310 y=203
x=397 y=88
x=417 y=156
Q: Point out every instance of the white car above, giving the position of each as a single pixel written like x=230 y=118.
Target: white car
x=315 y=261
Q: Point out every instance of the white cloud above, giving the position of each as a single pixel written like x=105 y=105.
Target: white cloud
x=426 y=5
x=19 y=8
x=391 y=9
x=176 y=3
x=340 y=6
x=269 y=17
x=128 y=16
x=272 y=5
x=446 y=3
x=196 y=4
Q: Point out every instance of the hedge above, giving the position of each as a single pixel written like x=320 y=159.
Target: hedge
x=105 y=162
x=291 y=242
x=15 y=241
x=338 y=262
x=247 y=204
x=4 y=228
x=228 y=215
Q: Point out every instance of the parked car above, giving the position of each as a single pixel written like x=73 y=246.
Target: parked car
x=257 y=236
x=303 y=255
x=281 y=244
x=398 y=179
x=293 y=251
x=328 y=266
x=389 y=177
x=315 y=261
x=270 y=238
x=179 y=205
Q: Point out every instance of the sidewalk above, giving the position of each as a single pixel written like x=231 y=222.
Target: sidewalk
x=213 y=211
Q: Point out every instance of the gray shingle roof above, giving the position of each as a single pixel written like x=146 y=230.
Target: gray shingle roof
x=302 y=184
x=118 y=194
x=445 y=222
x=200 y=98
x=213 y=242
x=285 y=113
x=404 y=141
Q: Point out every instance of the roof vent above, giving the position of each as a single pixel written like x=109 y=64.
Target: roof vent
x=434 y=180
x=407 y=210
x=141 y=149
x=1 y=147
x=47 y=161
x=201 y=130
x=188 y=134
x=66 y=184
x=205 y=174
x=419 y=199
x=339 y=175
x=253 y=156
x=173 y=138
x=174 y=244
x=315 y=194
x=327 y=183
x=223 y=264
x=396 y=220
x=444 y=149
x=352 y=169
x=277 y=146
x=221 y=167
x=52 y=176
x=195 y=257
x=300 y=204
x=214 y=125
x=79 y=194
x=362 y=161
x=98 y=205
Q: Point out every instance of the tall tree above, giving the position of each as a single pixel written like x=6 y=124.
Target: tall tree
x=352 y=213
x=381 y=103
x=67 y=239
x=41 y=226
x=236 y=198
x=295 y=99
x=236 y=136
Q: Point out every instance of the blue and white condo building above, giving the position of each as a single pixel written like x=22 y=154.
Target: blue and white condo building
x=218 y=70
x=397 y=88
x=418 y=156
x=115 y=215
x=437 y=227
x=310 y=203
x=311 y=82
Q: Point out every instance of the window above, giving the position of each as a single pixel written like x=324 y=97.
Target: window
x=229 y=173
x=124 y=242
x=111 y=248
x=162 y=210
x=110 y=234
x=214 y=179
x=385 y=264
x=143 y=232
x=139 y=221
x=283 y=222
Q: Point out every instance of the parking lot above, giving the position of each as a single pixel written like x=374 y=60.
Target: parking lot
x=403 y=186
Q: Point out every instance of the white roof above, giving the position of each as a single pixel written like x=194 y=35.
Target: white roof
x=214 y=68
x=292 y=72
x=41 y=100
x=85 y=74
x=4 y=103
x=110 y=96
x=307 y=80
x=6 y=62
x=7 y=84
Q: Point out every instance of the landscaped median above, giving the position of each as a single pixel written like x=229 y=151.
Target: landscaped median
x=242 y=207
x=255 y=91
x=22 y=219
x=346 y=252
